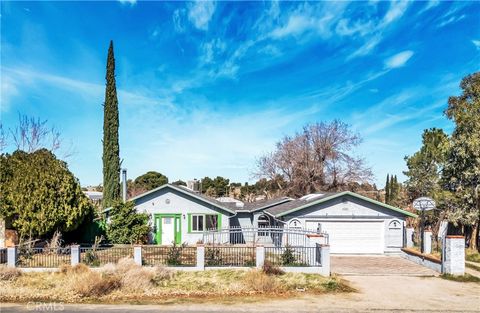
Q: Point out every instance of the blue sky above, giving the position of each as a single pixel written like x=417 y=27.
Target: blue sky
x=205 y=88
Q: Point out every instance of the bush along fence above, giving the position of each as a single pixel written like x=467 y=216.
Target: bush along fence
x=315 y=259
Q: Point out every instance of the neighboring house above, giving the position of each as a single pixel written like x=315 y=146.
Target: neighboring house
x=354 y=223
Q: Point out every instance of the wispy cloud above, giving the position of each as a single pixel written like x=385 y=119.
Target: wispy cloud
x=398 y=60
x=429 y=5
x=476 y=43
x=30 y=78
x=454 y=15
x=130 y=2
x=200 y=13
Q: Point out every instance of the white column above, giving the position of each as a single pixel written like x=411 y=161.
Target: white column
x=454 y=255
x=200 y=257
x=260 y=256
x=137 y=255
x=12 y=256
x=409 y=235
x=325 y=259
x=427 y=242
x=75 y=255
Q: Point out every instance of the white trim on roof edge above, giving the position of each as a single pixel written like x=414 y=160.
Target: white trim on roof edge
x=180 y=189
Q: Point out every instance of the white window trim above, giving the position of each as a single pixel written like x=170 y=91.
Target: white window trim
x=204 y=219
x=203 y=223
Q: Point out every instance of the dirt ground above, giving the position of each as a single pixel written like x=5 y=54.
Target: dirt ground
x=375 y=294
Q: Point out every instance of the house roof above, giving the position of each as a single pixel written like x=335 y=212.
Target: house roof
x=302 y=203
x=184 y=190
x=265 y=204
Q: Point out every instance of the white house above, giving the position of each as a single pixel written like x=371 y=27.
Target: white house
x=180 y=215
x=354 y=223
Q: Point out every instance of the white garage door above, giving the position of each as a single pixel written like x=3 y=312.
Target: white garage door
x=355 y=236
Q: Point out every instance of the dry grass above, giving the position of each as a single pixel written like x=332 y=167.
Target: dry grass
x=9 y=273
x=260 y=282
x=472 y=255
x=128 y=282
x=467 y=278
x=95 y=284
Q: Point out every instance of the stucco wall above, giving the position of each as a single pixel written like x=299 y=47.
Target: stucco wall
x=170 y=201
x=349 y=208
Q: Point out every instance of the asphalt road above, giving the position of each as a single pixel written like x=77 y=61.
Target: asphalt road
x=173 y=309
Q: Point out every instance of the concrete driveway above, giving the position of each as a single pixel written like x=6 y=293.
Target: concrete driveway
x=377 y=265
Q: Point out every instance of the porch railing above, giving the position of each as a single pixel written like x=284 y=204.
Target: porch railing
x=269 y=236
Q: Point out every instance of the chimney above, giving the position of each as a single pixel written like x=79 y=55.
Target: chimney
x=124 y=184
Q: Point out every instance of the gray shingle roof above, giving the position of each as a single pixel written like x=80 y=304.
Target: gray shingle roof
x=264 y=204
x=287 y=206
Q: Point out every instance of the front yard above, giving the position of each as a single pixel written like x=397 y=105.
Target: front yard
x=127 y=282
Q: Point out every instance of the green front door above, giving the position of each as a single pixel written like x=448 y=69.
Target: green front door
x=168 y=229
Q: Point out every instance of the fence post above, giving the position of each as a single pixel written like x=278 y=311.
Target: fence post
x=74 y=255
x=260 y=256
x=427 y=242
x=200 y=257
x=453 y=255
x=137 y=255
x=325 y=259
x=409 y=239
x=12 y=256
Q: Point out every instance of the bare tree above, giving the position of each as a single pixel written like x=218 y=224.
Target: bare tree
x=321 y=157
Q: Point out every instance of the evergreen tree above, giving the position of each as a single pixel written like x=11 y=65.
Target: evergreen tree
x=111 y=149
x=39 y=195
x=394 y=191
x=127 y=226
x=387 y=189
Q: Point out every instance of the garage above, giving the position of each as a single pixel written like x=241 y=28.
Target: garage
x=354 y=236
x=354 y=224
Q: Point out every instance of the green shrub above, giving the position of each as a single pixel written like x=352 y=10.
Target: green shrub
x=127 y=226
x=174 y=256
x=288 y=256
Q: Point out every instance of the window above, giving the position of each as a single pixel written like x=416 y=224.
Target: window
x=211 y=221
x=295 y=224
x=202 y=222
x=197 y=222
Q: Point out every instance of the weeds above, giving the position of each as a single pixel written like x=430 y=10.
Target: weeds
x=467 y=278
x=270 y=269
x=9 y=273
x=94 y=284
x=261 y=282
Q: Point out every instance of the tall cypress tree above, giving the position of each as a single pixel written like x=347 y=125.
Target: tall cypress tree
x=393 y=189
x=111 y=149
x=387 y=190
